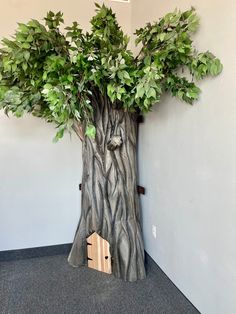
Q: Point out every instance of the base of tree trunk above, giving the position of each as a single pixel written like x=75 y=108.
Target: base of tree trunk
x=110 y=203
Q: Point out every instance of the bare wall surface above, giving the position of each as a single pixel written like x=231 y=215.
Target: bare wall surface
x=39 y=195
x=188 y=165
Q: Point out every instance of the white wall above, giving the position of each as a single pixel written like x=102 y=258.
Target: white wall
x=188 y=165
x=39 y=195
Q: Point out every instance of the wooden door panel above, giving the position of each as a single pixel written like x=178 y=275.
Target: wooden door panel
x=98 y=251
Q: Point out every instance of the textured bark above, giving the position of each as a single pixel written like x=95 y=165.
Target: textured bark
x=110 y=203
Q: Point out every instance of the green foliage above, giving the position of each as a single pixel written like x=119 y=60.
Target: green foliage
x=90 y=131
x=58 y=76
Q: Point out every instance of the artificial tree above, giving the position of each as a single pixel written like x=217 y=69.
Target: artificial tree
x=90 y=83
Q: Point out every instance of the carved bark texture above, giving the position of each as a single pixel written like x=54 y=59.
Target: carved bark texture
x=110 y=203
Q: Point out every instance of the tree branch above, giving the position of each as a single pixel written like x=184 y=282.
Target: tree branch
x=77 y=127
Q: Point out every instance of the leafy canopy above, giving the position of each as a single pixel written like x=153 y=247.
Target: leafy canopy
x=54 y=76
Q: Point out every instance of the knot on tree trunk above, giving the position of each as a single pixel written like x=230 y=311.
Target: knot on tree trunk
x=114 y=142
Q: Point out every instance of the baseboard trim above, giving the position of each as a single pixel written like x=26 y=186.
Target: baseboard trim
x=41 y=251
x=11 y=255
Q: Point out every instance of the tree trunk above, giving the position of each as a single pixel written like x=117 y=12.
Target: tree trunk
x=110 y=203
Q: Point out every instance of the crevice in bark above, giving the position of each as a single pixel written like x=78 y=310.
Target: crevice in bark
x=110 y=202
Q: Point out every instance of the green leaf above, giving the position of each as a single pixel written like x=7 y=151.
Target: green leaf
x=59 y=135
x=70 y=78
x=110 y=90
x=151 y=93
x=45 y=74
x=48 y=86
x=181 y=49
x=24 y=66
x=23 y=28
x=26 y=45
x=126 y=75
x=26 y=55
x=162 y=36
x=140 y=91
x=216 y=67
x=193 y=21
x=90 y=131
x=30 y=38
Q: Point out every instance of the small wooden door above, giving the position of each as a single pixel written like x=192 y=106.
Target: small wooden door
x=98 y=250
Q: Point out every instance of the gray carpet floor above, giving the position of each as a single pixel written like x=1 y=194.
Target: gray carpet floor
x=49 y=285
